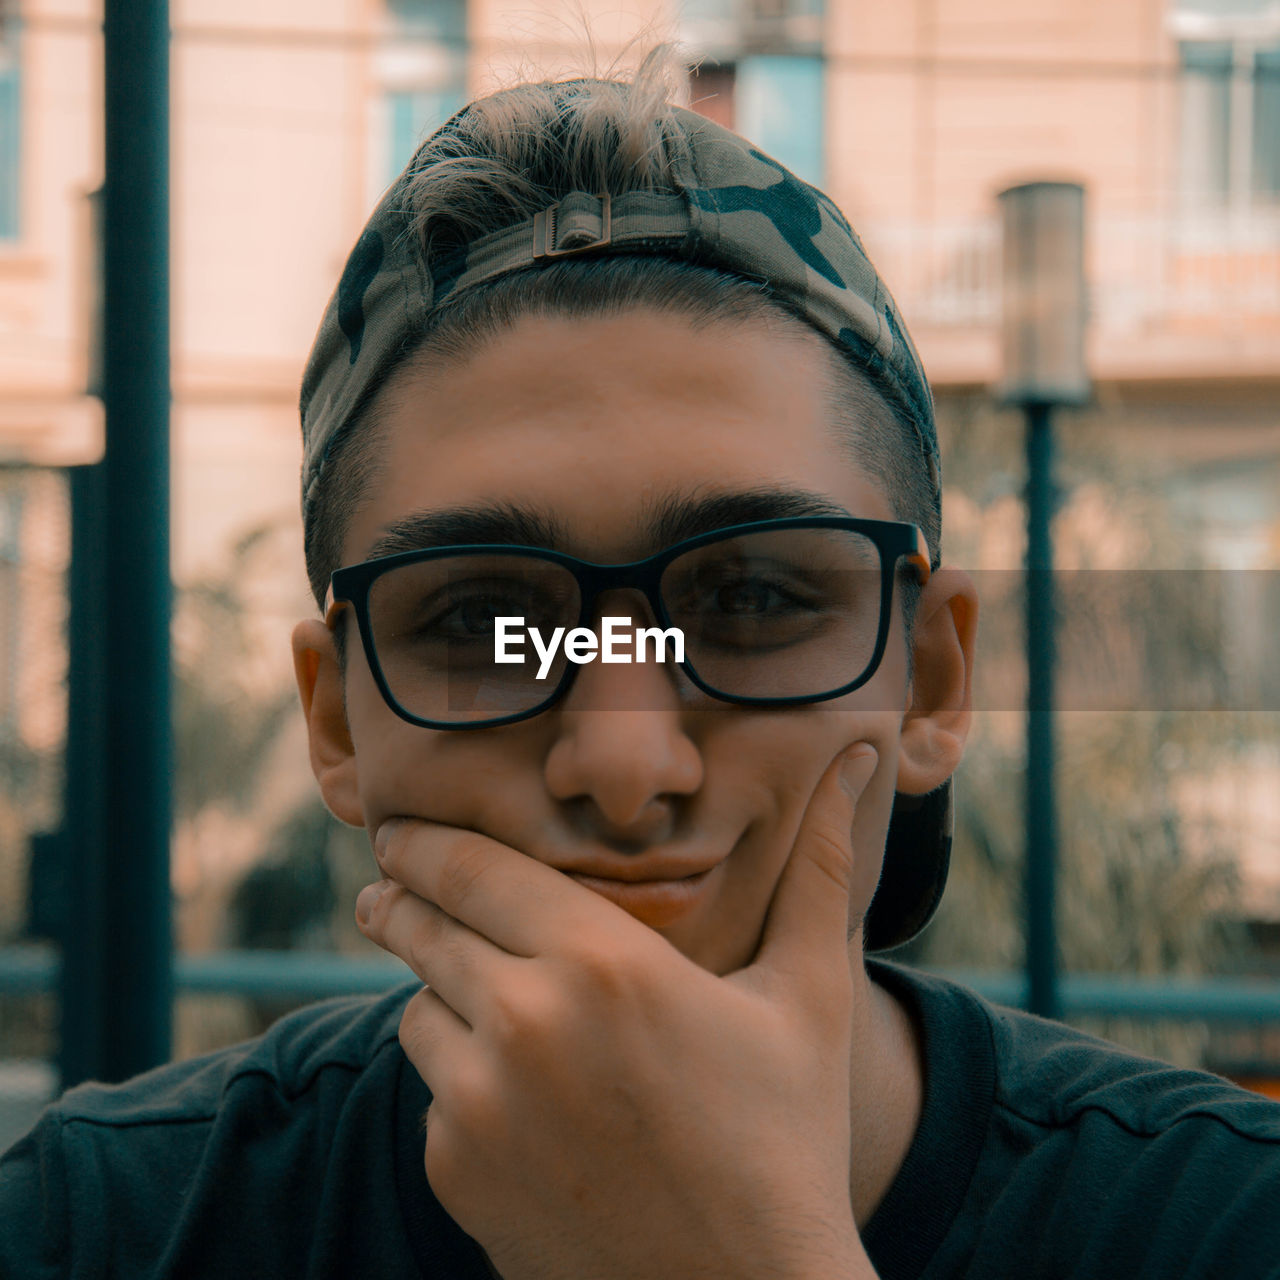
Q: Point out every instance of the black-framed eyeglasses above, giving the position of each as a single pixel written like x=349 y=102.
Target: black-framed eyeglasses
x=771 y=613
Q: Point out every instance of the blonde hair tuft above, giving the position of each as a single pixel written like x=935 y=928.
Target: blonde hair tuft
x=516 y=151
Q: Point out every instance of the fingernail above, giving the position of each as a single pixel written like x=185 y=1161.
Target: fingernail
x=383 y=834
x=856 y=769
x=368 y=899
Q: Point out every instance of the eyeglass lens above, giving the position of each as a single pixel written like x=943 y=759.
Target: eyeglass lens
x=789 y=613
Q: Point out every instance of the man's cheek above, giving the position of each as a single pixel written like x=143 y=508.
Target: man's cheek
x=396 y=775
x=870 y=830
x=443 y=777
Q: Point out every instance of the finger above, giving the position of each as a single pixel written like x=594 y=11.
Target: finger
x=432 y=1035
x=809 y=915
x=455 y=961
x=521 y=905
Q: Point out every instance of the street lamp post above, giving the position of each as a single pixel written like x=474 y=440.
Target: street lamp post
x=1042 y=332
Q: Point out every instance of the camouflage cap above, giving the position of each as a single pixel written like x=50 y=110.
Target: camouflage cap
x=731 y=207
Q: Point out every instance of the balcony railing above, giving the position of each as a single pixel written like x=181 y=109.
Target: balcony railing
x=1218 y=268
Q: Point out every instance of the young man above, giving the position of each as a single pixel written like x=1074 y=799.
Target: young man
x=596 y=358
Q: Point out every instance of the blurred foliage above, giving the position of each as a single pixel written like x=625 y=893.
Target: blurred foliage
x=286 y=900
x=231 y=714
x=33 y=547
x=301 y=895
x=266 y=865
x=1140 y=890
x=225 y=722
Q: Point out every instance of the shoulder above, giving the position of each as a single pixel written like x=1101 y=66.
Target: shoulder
x=1151 y=1165
x=1100 y=1161
x=291 y=1058
x=215 y=1164
x=1054 y=1076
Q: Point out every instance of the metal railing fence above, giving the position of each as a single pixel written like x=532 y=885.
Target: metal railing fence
x=305 y=975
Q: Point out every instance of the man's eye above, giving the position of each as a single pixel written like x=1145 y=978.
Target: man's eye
x=469 y=615
x=467 y=620
x=746 y=596
x=750 y=612
x=753 y=598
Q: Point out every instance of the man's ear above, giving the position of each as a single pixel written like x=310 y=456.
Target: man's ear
x=937 y=719
x=333 y=756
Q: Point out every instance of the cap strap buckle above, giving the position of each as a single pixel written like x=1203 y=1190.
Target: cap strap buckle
x=569 y=227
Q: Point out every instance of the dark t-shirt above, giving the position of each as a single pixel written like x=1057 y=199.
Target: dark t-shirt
x=1041 y=1153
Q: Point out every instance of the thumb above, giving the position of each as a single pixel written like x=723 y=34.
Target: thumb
x=809 y=915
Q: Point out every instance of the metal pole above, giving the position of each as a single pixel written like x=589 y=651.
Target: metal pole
x=137 y=746
x=1041 y=815
x=83 y=997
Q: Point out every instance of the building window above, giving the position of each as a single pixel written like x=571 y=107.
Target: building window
x=422 y=71
x=762 y=74
x=1206 y=122
x=779 y=105
x=775 y=100
x=1230 y=104
x=721 y=30
x=10 y=130
x=1266 y=122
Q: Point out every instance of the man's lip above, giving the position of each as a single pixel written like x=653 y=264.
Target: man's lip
x=641 y=872
x=656 y=902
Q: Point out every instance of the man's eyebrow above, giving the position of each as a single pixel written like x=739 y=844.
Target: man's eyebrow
x=677 y=516
x=669 y=520
x=488 y=524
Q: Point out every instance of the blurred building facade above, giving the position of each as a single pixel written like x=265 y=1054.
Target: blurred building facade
x=290 y=118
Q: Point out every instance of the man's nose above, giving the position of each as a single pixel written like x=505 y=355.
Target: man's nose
x=622 y=739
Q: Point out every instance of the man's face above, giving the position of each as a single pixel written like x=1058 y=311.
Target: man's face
x=592 y=425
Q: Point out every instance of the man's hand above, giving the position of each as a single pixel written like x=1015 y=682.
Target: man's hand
x=605 y=1109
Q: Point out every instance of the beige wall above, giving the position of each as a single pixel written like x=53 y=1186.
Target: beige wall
x=955 y=98
x=932 y=107
x=939 y=104
x=269 y=190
